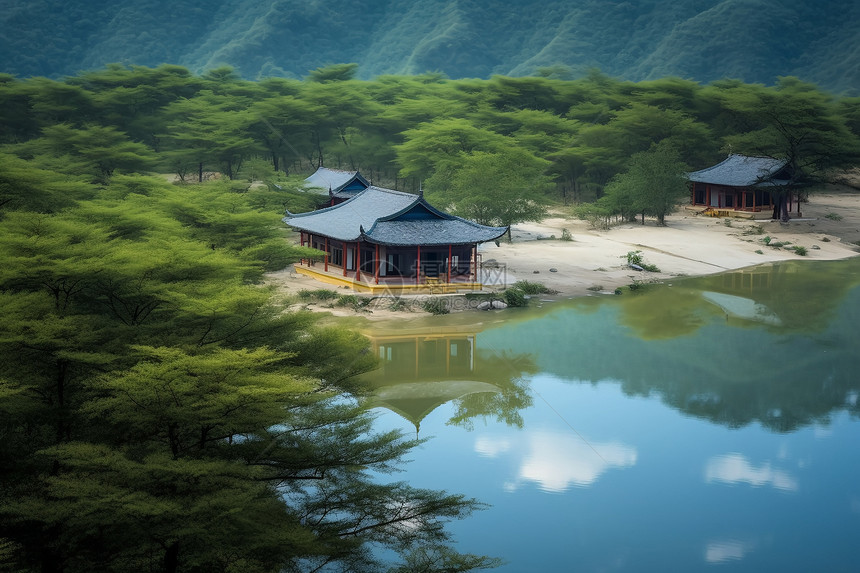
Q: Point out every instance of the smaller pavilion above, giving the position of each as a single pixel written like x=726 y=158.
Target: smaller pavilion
x=338 y=184
x=738 y=183
x=382 y=240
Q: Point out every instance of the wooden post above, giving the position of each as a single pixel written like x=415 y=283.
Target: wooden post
x=376 y=268
x=302 y=244
x=473 y=266
x=345 y=259
x=449 y=264
x=357 y=261
x=326 y=254
x=418 y=267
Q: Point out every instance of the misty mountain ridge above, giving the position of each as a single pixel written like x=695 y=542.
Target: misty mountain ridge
x=704 y=40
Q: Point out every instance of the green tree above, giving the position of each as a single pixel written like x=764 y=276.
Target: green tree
x=652 y=185
x=162 y=411
x=498 y=188
x=93 y=150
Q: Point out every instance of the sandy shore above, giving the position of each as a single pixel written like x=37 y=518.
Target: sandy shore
x=689 y=245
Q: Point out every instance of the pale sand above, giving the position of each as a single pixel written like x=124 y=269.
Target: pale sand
x=689 y=245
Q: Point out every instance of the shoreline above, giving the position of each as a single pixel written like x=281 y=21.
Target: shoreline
x=689 y=245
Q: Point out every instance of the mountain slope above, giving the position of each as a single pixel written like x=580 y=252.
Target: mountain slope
x=751 y=40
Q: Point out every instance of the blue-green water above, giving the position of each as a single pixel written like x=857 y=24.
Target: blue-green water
x=707 y=425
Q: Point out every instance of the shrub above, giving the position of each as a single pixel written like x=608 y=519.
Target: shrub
x=565 y=235
x=595 y=288
x=318 y=294
x=759 y=251
x=634 y=258
x=515 y=297
x=531 y=287
x=766 y=239
x=436 y=306
x=800 y=250
x=833 y=217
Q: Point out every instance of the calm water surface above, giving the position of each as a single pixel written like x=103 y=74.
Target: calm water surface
x=707 y=425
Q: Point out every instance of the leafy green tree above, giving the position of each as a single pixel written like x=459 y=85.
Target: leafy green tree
x=652 y=185
x=93 y=150
x=333 y=73
x=441 y=144
x=162 y=412
x=498 y=188
x=210 y=130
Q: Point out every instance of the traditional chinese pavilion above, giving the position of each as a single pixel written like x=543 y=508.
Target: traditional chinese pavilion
x=338 y=184
x=739 y=183
x=381 y=240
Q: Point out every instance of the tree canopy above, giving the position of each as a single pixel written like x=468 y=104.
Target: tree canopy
x=160 y=410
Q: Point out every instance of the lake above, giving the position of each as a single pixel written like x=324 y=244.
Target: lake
x=710 y=424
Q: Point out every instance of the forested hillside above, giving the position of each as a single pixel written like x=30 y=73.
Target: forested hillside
x=703 y=40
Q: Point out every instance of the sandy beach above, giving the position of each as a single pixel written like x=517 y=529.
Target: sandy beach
x=691 y=244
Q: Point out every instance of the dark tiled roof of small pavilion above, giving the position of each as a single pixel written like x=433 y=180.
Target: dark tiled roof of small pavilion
x=389 y=217
x=742 y=171
x=340 y=183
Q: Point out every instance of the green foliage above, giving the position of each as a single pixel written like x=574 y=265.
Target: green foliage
x=635 y=258
x=833 y=216
x=317 y=294
x=515 y=297
x=436 y=306
x=532 y=287
x=161 y=411
x=495 y=188
x=653 y=184
x=799 y=250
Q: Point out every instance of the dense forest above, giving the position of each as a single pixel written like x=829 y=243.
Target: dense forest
x=705 y=40
x=159 y=408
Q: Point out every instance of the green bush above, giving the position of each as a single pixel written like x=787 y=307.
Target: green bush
x=515 y=297
x=347 y=300
x=800 y=250
x=565 y=235
x=317 y=294
x=530 y=287
x=833 y=217
x=436 y=306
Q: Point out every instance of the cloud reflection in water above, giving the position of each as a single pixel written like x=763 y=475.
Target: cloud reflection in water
x=558 y=461
x=726 y=550
x=735 y=468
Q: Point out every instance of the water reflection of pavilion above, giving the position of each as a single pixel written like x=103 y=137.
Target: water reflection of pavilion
x=420 y=372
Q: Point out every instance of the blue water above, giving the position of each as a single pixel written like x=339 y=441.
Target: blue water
x=726 y=440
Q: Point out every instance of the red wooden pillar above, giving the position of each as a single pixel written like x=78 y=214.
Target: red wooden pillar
x=326 y=254
x=357 y=262
x=376 y=267
x=418 y=267
x=473 y=266
x=302 y=244
x=449 y=264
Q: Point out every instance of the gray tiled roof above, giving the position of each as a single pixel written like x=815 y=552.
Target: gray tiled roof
x=741 y=171
x=454 y=231
x=324 y=179
x=383 y=216
x=343 y=221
